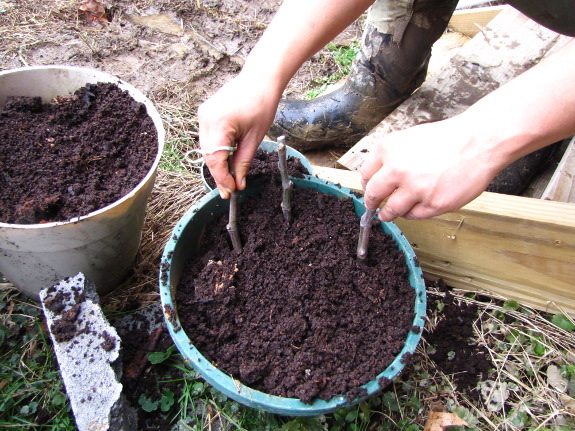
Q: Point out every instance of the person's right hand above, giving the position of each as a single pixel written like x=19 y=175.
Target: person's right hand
x=238 y=115
x=429 y=169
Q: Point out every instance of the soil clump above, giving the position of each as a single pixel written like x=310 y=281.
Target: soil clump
x=75 y=155
x=295 y=313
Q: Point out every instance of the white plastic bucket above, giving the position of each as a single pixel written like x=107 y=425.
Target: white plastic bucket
x=102 y=244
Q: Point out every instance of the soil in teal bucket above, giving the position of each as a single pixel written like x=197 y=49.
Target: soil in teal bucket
x=75 y=155
x=295 y=313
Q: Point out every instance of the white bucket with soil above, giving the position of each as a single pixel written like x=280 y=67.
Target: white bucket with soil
x=101 y=244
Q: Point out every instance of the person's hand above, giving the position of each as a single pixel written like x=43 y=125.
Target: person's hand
x=427 y=170
x=238 y=115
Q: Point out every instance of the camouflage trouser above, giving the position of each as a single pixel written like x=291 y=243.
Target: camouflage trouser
x=392 y=16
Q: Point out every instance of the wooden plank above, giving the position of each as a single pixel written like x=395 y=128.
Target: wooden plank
x=561 y=187
x=508 y=46
x=471 y=21
x=512 y=246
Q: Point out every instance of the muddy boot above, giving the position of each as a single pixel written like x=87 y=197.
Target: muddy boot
x=391 y=65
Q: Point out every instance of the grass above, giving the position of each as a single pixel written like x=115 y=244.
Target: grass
x=531 y=387
x=341 y=57
x=31 y=393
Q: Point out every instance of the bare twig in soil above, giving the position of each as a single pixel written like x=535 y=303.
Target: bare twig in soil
x=287 y=184
x=232 y=226
x=364 y=228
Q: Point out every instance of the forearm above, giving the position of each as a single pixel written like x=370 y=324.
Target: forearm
x=533 y=110
x=299 y=29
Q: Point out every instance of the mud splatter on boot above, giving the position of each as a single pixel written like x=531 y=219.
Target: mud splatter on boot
x=386 y=71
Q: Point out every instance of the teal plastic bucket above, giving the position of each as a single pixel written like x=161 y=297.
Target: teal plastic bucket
x=185 y=239
x=271 y=147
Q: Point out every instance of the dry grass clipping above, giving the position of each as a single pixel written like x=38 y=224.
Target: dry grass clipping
x=172 y=196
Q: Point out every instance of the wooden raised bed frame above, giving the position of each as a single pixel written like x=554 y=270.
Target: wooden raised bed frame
x=513 y=247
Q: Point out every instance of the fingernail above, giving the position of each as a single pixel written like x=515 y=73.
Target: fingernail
x=243 y=185
x=224 y=194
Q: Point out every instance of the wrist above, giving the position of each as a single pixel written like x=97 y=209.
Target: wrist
x=496 y=139
x=258 y=75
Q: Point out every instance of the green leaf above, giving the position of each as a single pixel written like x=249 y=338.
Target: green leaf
x=59 y=399
x=515 y=337
x=518 y=418
x=351 y=416
x=147 y=404
x=303 y=424
x=390 y=400
x=29 y=409
x=198 y=388
x=563 y=322
x=538 y=348
x=159 y=357
x=511 y=305
x=167 y=400
x=466 y=415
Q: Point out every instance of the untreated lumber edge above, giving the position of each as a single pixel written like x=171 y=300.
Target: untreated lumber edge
x=514 y=247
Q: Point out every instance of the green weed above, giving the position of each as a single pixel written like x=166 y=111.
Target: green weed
x=174 y=155
x=31 y=393
x=342 y=57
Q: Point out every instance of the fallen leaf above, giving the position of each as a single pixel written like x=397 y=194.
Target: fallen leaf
x=437 y=421
x=494 y=394
x=93 y=10
x=555 y=379
x=568 y=403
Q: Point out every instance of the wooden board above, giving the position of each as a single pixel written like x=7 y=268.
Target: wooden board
x=471 y=21
x=514 y=247
x=511 y=44
x=561 y=187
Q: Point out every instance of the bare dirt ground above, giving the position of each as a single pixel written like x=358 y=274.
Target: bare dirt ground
x=178 y=51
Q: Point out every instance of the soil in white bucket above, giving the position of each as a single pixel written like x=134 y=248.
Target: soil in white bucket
x=76 y=172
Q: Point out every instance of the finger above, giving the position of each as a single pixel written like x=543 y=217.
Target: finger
x=377 y=189
x=400 y=203
x=242 y=160
x=217 y=163
x=419 y=212
x=369 y=169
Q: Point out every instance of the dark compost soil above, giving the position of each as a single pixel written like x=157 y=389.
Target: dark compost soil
x=456 y=352
x=295 y=314
x=72 y=156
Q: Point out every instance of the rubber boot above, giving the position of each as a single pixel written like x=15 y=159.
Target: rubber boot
x=386 y=71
